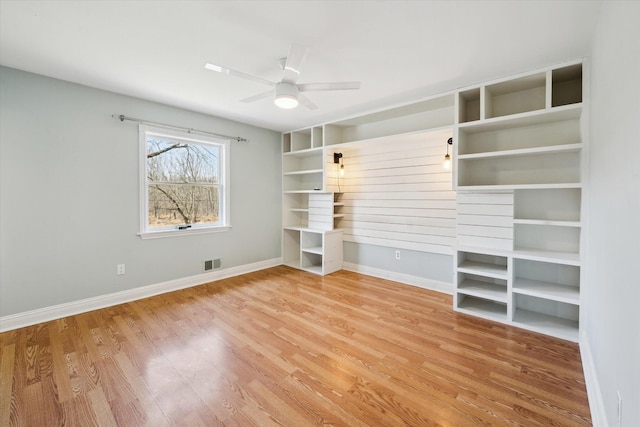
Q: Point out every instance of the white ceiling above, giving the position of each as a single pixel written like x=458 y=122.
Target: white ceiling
x=400 y=51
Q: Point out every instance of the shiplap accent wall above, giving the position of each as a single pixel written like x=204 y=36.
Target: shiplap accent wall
x=396 y=192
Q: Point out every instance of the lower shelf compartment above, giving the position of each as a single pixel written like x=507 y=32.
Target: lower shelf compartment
x=483 y=289
x=546 y=324
x=481 y=307
x=313 y=250
x=311 y=261
x=552 y=291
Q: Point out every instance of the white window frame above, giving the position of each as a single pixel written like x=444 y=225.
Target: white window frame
x=224 y=213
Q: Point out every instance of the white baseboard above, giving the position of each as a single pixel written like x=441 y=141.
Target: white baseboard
x=596 y=404
x=407 y=279
x=32 y=317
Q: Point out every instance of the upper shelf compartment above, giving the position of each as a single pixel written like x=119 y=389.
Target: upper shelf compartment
x=301 y=140
x=515 y=96
x=566 y=85
x=538 y=92
x=432 y=113
x=469 y=105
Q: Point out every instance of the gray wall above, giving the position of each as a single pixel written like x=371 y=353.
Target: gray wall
x=427 y=265
x=612 y=313
x=69 y=195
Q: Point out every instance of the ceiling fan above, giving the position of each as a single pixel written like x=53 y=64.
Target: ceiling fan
x=286 y=92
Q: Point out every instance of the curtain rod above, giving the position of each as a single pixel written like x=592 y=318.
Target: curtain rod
x=122 y=118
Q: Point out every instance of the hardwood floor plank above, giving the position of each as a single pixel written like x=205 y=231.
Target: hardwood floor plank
x=144 y=411
x=279 y=409
x=79 y=412
x=60 y=374
x=282 y=347
x=7 y=365
x=101 y=407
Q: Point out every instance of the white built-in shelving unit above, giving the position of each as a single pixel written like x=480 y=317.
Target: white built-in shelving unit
x=519 y=149
x=313 y=204
x=311 y=241
x=519 y=171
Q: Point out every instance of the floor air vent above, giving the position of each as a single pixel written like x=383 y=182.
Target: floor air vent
x=212 y=264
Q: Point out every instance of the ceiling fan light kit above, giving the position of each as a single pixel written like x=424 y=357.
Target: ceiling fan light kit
x=286 y=93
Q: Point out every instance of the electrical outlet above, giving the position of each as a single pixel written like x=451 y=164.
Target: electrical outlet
x=397 y=254
x=120 y=269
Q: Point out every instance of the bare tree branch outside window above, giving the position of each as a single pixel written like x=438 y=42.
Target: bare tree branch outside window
x=183 y=182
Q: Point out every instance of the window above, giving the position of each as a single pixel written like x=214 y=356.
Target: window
x=184 y=183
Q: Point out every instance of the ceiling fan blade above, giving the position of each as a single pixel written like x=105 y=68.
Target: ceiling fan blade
x=293 y=65
x=308 y=87
x=258 y=97
x=230 y=72
x=307 y=102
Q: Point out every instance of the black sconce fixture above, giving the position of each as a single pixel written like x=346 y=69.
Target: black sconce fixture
x=447 y=159
x=337 y=159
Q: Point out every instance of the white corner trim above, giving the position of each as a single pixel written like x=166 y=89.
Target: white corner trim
x=407 y=279
x=32 y=317
x=596 y=404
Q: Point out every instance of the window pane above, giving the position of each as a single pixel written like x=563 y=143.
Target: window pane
x=176 y=161
x=171 y=204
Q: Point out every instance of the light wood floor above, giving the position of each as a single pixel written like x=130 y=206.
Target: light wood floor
x=284 y=347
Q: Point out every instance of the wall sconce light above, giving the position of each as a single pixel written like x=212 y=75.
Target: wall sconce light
x=447 y=159
x=337 y=159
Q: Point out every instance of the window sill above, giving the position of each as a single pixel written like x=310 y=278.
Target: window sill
x=188 y=232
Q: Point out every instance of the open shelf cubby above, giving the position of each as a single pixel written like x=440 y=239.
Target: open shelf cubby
x=301 y=140
x=548 y=238
x=311 y=242
x=469 y=105
x=548 y=206
x=482 y=307
x=561 y=167
x=428 y=114
x=303 y=170
x=483 y=287
x=317 y=138
x=310 y=159
x=473 y=140
x=566 y=85
x=303 y=182
x=482 y=264
x=311 y=261
x=295 y=210
x=515 y=96
x=554 y=281
x=551 y=317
